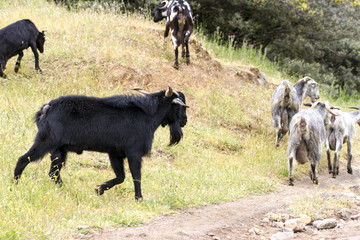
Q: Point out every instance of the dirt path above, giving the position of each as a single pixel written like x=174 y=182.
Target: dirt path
x=234 y=220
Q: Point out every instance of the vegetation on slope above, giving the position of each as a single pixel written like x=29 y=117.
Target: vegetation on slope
x=228 y=147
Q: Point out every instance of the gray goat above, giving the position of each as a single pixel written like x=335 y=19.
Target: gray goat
x=286 y=100
x=339 y=130
x=307 y=134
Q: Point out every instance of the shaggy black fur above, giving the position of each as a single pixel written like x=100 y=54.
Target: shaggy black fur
x=122 y=126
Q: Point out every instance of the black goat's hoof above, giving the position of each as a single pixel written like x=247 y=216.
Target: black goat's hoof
x=16 y=179
x=139 y=199
x=176 y=66
x=316 y=181
x=350 y=171
x=16 y=69
x=188 y=60
x=39 y=71
x=3 y=75
x=99 y=190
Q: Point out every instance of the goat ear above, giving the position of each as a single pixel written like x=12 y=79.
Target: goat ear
x=308 y=104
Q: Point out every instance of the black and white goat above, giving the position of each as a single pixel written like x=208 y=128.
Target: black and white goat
x=286 y=100
x=307 y=134
x=339 y=130
x=179 y=19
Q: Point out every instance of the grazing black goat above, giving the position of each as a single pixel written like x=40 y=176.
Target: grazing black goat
x=15 y=38
x=179 y=19
x=122 y=126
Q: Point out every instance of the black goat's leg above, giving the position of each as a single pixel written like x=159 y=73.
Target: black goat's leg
x=117 y=164
x=17 y=64
x=36 y=152
x=135 y=169
x=58 y=158
x=36 y=55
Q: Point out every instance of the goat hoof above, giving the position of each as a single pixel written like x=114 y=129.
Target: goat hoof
x=39 y=71
x=187 y=60
x=316 y=181
x=16 y=69
x=176 y=66
x=350 y=171
x=291 y=182
x=139 y=199
x=3 y=75
x=99 y=191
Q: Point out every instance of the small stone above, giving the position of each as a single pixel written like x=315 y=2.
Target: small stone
x=342 y=214
x=254 y=231
x=265 y=220
x=295 y=224
x=285 y=217
x=274 y=217
x=286 y=230
x=277 y=224
x=305 y=219
x=341 y=224
x=355 y=217
x=325 y=224
x=282 y=236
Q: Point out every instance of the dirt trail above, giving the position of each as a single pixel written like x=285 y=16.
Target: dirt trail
x=234 y=220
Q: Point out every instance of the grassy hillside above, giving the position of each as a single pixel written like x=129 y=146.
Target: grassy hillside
x=228 y=147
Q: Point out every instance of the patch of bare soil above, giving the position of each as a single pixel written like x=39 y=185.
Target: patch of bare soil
x=233 y=220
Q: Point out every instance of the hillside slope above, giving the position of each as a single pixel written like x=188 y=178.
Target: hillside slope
x=227 y=151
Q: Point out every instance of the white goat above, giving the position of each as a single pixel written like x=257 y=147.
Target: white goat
x=307 y=134
x=286 y=100
x=339 y=130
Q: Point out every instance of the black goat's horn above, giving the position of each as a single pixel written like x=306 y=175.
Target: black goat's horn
x=140 y=90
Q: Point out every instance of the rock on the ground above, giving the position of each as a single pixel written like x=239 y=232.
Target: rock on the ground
x=282 y=236
x=305 y=219
x=342 y=214
x=355 y=217
x=325 y=224
x=295 y=224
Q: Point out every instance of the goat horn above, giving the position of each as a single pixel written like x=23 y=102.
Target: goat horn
x=354 y=108
x=314 y=105
x=306 y=79
x=140 y=90
x=179 y=102
x=308 y=104
x=165 y=4
x=329 y=109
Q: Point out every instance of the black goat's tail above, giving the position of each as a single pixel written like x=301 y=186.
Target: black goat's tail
x=41 y=113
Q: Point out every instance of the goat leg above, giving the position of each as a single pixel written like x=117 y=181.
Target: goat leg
x=349 y=157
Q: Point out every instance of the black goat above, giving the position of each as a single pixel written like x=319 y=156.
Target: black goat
x=122 y=126
x=179 y=19
x=15 y=38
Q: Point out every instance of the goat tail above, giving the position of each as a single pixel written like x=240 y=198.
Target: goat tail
x=286 y=101
x=41 y=113
x=303 y=124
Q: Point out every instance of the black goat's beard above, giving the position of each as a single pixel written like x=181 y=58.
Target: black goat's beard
x=175 y=133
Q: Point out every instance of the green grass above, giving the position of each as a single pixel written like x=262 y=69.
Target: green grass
x=227 y=151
